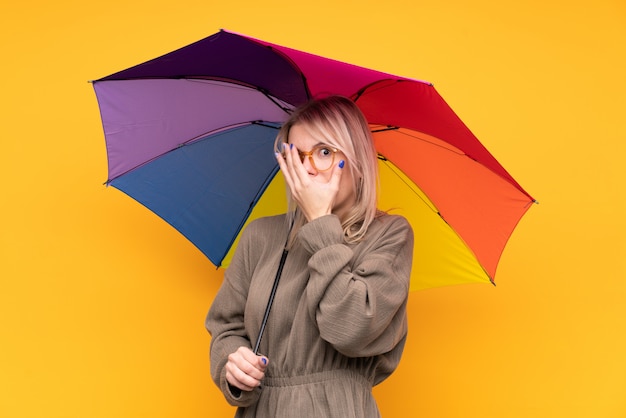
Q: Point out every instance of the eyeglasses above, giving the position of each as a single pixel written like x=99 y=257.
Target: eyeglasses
x=321 y=157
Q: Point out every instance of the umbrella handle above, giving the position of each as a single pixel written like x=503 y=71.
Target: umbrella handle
x=270 y=301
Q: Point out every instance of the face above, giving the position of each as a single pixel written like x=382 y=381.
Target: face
x=346 y=197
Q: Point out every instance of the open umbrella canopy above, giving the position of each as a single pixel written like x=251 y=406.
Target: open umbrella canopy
x=190 y=135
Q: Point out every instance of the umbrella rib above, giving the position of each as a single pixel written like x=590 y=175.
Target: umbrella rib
x=253 y=203
x=395 y=171
x=265 y=123
x=271 y=98
x=190 y=141
x=385 y=129
x=295 y=66
x=431 y=206
x=243 y=84
x=384 y=83
x=454 y=150
x=458 y=151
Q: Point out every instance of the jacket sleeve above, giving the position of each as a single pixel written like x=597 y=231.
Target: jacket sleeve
x=225 y=323
x=357 y=295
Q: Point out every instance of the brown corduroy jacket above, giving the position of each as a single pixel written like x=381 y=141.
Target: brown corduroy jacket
x=338 y=324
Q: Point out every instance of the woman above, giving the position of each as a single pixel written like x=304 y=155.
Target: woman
x=338 y=324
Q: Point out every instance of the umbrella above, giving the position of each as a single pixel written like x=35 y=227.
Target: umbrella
x=190 y=136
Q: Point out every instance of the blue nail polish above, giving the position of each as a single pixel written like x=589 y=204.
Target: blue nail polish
x=341 y=163
x=264 y=360
x=290 y=146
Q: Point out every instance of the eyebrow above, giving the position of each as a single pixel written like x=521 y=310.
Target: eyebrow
x=320 y=144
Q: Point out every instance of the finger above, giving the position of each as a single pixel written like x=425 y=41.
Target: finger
x=288 y=151
x=282 y=163
x=239 y=378
x=303 y=171
x=297 y=170
x=294 y=172
x=292 y=159
x=337 y=172
x=263 y=362
x=241 y=381
x=253 y=364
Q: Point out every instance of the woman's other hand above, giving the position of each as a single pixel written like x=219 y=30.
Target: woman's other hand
x=244 y=369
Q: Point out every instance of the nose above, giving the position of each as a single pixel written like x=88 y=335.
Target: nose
x=308 y=165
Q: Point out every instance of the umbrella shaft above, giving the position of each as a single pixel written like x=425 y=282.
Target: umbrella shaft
x=270 y=301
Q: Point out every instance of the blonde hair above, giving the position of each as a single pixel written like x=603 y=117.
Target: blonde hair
x=338 y=122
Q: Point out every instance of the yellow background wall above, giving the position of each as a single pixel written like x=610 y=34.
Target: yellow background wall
x=102 y=304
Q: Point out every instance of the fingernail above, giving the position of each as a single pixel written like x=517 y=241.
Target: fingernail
x=341 y=163
x=264 y=360
x=290 y=146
